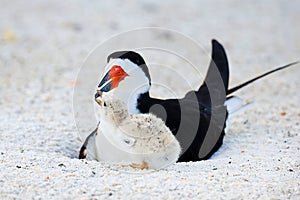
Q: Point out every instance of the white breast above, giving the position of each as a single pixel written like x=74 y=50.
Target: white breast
x=113 y=146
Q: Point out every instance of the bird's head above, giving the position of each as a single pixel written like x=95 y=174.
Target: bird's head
x=112 y=109
x=126 y=77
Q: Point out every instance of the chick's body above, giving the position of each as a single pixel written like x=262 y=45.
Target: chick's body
x=136 y=138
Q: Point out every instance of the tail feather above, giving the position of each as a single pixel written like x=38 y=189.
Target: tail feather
x=230 y=91
x=235 y=105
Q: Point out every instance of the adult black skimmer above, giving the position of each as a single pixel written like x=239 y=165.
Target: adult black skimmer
x=198 y=120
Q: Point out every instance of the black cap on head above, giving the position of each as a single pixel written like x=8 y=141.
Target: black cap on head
x=130 y=55
x=133 y=57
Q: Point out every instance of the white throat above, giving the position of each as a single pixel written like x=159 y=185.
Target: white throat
x=133 y=85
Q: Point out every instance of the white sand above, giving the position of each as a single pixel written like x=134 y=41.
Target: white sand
x=42 y=47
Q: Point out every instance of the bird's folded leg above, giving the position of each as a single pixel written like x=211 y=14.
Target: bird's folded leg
x=142 y=166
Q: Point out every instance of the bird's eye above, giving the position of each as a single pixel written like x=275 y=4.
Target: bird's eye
x=104 y=104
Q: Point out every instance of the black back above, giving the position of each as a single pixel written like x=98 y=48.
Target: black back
x=198 y=119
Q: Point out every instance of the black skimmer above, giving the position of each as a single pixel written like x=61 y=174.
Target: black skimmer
x=198 y=120
x=139 y=140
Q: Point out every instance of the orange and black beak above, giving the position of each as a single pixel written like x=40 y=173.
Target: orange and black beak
x=110 y=80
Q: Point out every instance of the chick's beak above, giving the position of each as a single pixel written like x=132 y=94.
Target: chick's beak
x=98 y=97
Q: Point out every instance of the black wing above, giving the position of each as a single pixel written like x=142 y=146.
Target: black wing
x=197 y=120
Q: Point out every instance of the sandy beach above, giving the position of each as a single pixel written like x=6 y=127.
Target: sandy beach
x=43 y=47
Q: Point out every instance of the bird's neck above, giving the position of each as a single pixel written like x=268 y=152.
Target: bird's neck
x=132 y=98
x=115 y=116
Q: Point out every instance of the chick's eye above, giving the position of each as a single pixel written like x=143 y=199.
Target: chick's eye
x=104 y=104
